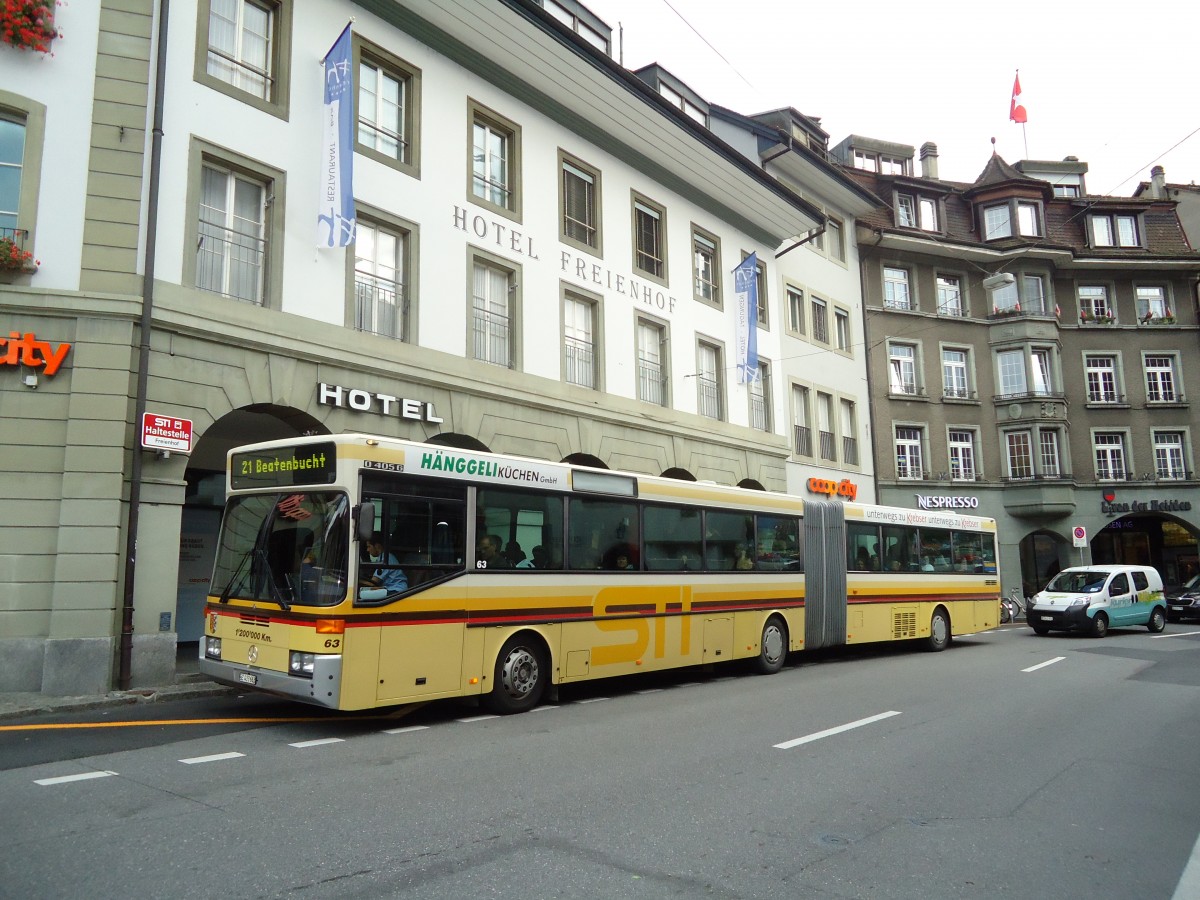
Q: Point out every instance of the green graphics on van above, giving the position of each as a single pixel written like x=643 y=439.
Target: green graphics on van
x=1092 y=599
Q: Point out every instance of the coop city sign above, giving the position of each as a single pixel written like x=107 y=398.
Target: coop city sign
x=27 y=350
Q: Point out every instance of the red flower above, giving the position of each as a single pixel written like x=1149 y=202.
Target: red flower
x=28 y=24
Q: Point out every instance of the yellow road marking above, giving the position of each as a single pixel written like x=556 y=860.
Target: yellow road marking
x=400 y=713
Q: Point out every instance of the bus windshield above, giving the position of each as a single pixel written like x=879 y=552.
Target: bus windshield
x=284 y=548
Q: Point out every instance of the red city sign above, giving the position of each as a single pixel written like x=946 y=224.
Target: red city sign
x=166 y=433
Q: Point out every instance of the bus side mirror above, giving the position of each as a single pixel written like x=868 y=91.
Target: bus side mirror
x=365 y=520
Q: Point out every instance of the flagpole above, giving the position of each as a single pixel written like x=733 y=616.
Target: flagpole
x=1025 y=138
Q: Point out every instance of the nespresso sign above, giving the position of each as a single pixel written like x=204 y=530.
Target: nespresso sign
x=943 y=501
x=381 y=404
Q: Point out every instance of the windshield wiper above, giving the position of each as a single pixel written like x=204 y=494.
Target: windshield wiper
x=234 y=579
x=276 y=593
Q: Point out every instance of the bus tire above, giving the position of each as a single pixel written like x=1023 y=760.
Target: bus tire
x=1158 y=620
x=520 y=676
x=939 y=631
x=1099 y=625
x=772 y=647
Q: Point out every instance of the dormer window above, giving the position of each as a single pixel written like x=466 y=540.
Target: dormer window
x=677 y=99
x=1113 y=230
x=913 y=211
x=878 y=162
x=998 y=219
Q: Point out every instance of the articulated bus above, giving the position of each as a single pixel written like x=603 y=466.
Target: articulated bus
x=355 y=571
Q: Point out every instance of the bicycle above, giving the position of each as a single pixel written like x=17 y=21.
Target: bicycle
x=1012 y=606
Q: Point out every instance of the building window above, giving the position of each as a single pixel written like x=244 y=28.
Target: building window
x=1043 y=384
x=961 y=443
x=579 y=348
x=841 y=328
x=760 y=282
x=1066 y=190
x=908 y=454
x=1005 y=298
x=676 y=99
x=1160 y=379
x=652 y=373
x=849 y=432
x=1019 y=454
x=837 y=241
x=760 y=399
x=1034 y=288
x=906 y=211
x=387 y=109
x=706 y=262
x=580 y=210
x=22 y=129
x=825 y=438
x=1152 y=305
x=997 y=222
x=649 y=239
x=896 y=294
x=954 y=374
x=802 y=416
x=868 y=162
x=1168 y=455
x=1109 y=447
x=1101 y=374
x=380 y=303
x=820 y=321
x=795 y=310
x=892 y=165
x=902 y=368
x=495 y=161
x=1093 y=304
x=232 y=241
x=246 y=50
x=493 y=306
x=572 y=21
x=1010 y=366
x=708 y=380
x=949 y=295
x=1113 y=230
x=1028 y=220
x=1049 y=453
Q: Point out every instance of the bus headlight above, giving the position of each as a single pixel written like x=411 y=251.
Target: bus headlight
x=212 y=647
x=301 y=664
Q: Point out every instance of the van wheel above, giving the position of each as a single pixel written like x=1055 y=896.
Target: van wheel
x=520 y=677
x=773 y=647
x=1158 y=620
x=939 y=631
x=1099 y=625
x=1041 y=630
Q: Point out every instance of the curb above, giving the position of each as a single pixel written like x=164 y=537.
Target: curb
x=20 y=705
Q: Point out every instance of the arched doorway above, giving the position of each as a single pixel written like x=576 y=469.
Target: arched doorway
x=585 y=459
x=458 y=442
x=1154 y=539
x=1043 y=554
x=751 y=484
x=204 y=498
x=678 y=473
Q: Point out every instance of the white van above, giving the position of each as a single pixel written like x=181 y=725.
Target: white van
x=1092 y=598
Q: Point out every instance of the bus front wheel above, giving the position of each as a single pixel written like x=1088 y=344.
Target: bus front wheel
x=520 y=677
x=939 y=631
x=773 y=647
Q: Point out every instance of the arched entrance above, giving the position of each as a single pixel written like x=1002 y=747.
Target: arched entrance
x=204 y=497
x=585 y=459
x=1043 y=554
x=1153 y=539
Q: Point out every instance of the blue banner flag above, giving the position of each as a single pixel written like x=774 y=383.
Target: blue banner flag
x=745 y=290
x=335 y=213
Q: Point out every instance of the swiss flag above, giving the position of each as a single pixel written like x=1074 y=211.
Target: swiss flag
x=1016 y=111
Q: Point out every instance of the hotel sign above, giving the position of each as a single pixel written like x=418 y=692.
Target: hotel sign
x=383 y=404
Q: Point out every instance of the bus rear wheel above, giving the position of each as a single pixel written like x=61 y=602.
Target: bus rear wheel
x=939 y=631
x=520 y=677
x=773 y=647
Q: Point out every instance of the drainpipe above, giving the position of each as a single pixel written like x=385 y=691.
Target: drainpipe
x=135 y=474
x=862 y=288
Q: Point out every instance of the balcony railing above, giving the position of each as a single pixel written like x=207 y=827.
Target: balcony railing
x=758 y=412
x=379 y=306
x=827 y=445
x=803 y=440
x=710 y=397
x=850 y=451
x=492 y=337
x=652 y=384
x=580 y=363
x=958 y=393
x=230 y=264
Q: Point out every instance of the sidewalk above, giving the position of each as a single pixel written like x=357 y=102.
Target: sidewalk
x=189 y=683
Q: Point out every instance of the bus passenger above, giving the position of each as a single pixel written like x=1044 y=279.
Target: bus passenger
x=392 y=580
x=489 y=553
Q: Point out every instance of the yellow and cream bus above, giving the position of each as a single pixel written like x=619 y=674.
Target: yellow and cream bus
x=355 y=571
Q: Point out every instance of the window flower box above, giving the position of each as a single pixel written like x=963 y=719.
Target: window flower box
x=1087 y=318
x=28 y=24
x=14 y=258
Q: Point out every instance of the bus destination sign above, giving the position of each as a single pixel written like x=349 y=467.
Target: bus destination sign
x=284 y=466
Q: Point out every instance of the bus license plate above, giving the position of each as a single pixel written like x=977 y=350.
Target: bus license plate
x=247 y=678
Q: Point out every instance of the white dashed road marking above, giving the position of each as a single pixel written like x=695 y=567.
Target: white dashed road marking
x=216 y=757
x=1048 y=662
x=829 y=732
x=63 y=779
x=300 y=745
